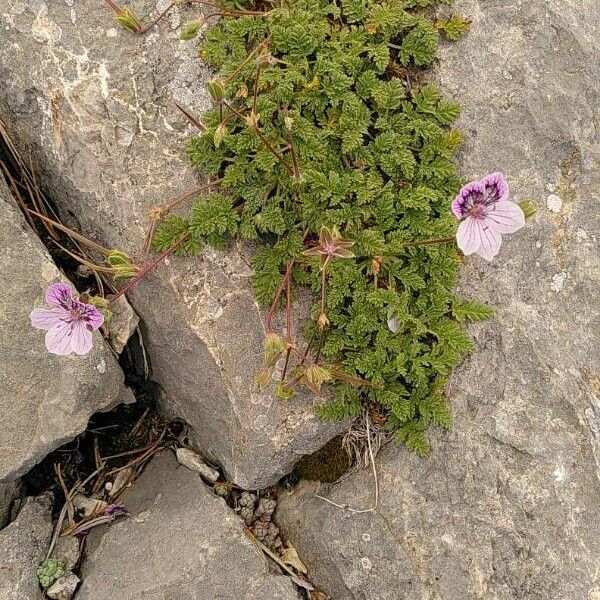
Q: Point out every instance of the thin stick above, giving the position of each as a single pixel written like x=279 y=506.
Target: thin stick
x=191 y=118
x=372 y=458
x=70 y=232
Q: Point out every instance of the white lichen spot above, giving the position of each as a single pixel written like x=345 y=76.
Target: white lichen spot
x=45 y=30
x=581 y=235
x=559 y=474
x=103 y=76
x=101 y=366
x=594 y=594
x=550 y=187
x=554 y=203
x=366 y=563
x=111 y=32
x=448 y=539
x=538 y=244
x=366 y=537
x=558 y=281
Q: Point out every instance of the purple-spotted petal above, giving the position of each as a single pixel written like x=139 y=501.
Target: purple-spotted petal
x=468 y=236
x=60 y=294
x=505 y=217
x=495 y=188
x=47 y=318
x=58 y=339
x=469 y=195
x=92 y=316
x=81 y=338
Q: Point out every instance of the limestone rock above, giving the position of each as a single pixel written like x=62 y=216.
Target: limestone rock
x=63 y=588
x=23 y=546
x=182 y=542
x=94 y=104
x=507 y=506
x=45 y=400
x=8 y=493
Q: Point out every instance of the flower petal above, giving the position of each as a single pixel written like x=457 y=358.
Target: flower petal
x=93 y=317
x=47 y=318
x=468 y=236
x=490 y=241
x=60 y=294
x=505 y=217
x=81 y=338
x=58 y=339
x=495 y=188
x=470 y=194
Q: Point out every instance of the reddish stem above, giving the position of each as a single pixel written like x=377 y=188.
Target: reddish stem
x=149 y=267
x=277 y=296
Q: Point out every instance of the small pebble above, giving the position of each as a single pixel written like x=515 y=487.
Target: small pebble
x=193 y=462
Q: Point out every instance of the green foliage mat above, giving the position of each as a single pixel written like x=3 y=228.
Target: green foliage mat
x=321 y=119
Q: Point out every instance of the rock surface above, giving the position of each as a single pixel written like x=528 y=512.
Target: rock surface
x=94 y=104
x=182 y=542
x=23 y=546
x=507 y=507
x=45 y=400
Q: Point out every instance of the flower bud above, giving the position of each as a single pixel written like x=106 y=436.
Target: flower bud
x=528 y=207
x=283 y=391
x=242 y=92
x=219 y=134
x=216 y=89
x=128 y=19
x=322 y=321
x=190 y=31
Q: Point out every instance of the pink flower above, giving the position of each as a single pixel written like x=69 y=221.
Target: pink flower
x=331 y=245
x=69 y=322
x=485 y=213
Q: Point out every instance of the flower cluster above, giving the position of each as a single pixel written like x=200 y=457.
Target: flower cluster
x=69 y=323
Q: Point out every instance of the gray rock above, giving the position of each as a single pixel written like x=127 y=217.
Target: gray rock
x=45 y=400
x=23 y=546
x=94 y=104
x=182 y=542
x=122 y=324
x=8 y=493
x=63 y=588
x=508 y=504
x=190 y=460
x=67 y=550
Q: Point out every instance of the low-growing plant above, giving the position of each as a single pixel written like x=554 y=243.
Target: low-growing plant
x=327 y=149
x=336 y=159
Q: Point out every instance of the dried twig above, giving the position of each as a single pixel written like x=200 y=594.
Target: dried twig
x=373 y=466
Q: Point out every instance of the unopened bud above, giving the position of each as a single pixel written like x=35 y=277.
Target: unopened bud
x=252 y=120
x=190 y=31
x=128 y=19
x=528 y=207
x=242 y=92
x=322 y=321
x=217 y=90
x=376 y=263
x=219 y=134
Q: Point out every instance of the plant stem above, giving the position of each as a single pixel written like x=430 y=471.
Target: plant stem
x=149 y=267
x=147 y=28
x=442 y=240
x=246 y=60
x=263 y=139
x=283 y=283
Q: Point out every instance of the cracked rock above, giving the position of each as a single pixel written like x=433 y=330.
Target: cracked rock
x=93 y=105
x=45 y=400
x=183 y=541
x=507 y=506
x=23 y=545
